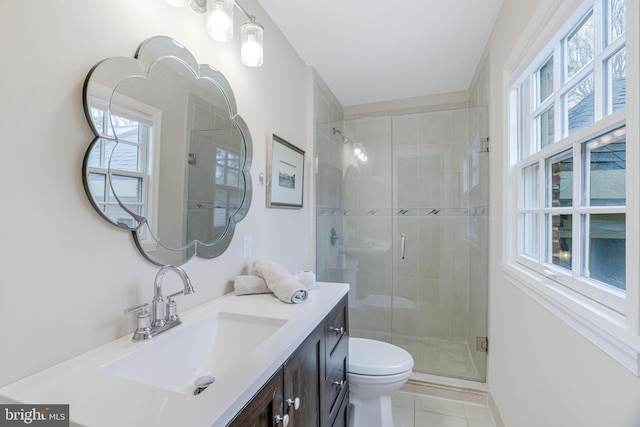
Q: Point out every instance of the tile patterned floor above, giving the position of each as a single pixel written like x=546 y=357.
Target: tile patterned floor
x=419 y=410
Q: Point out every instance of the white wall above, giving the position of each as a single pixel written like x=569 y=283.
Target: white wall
x=67 y=274
x=541 y=372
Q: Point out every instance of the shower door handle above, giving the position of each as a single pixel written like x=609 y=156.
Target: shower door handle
x=403 y=245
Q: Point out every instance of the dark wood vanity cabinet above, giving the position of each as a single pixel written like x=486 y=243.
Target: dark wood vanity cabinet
x=265 y=407
x=310 y=389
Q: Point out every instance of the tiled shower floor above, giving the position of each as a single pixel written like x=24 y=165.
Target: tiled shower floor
x=433 y=356
x=439 y=357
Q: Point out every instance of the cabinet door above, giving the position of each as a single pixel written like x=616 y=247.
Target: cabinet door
x=336 y=381
x=265 y=406
x=302 y=376
x=342 y=417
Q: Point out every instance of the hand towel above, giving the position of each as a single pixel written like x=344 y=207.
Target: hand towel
x=249 y=284
x=279 y=280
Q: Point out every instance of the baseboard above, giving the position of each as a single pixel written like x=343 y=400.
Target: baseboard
x=495 y=413
x=449 y=388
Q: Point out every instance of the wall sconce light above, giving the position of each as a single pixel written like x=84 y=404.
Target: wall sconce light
x=220 y=27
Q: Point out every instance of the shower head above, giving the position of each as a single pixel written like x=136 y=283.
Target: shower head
x=345 y=140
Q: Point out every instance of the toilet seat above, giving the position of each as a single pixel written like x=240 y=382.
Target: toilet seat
x=375 y=358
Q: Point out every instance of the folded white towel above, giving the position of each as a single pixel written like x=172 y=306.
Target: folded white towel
x=250 y=284
x=279 y=280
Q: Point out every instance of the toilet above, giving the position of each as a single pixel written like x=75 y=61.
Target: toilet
x=376 y=370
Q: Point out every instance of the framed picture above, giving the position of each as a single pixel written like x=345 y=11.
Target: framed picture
x=285 y=174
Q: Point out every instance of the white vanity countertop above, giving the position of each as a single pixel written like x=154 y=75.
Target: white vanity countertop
x=98 y=399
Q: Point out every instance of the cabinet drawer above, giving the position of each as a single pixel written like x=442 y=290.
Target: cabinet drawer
x=336 y=327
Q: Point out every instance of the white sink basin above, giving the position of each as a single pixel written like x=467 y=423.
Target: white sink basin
x=209 y=347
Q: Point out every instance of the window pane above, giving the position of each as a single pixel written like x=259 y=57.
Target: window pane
x=618 y=18
x=605 y=174
x=560 y=180
x=94 y=159
x=529 y=235
x=560 y=238
x=617 y=81
x=579 y=104
x=545 y=77
x=125 y=157
x=128 y=189
x=97 y=118
x=526 y=147
x=580 y=46
x=127 y=129
x=97 y=186
x=530 y=187
x=605 y=253
x=546 y=127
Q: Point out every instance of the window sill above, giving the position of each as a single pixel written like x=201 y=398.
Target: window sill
x=603 y=327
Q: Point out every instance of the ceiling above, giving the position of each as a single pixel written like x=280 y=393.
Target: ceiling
x=378 y=50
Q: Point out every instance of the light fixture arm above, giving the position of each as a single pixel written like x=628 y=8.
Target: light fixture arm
x=243 y=10
x=200 y=6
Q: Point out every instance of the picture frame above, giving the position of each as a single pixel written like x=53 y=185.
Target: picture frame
x=285 y=174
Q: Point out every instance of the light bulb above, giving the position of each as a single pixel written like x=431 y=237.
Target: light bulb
x=220 y=20
x=251 y=34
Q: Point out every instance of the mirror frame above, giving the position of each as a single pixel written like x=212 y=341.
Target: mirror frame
x=114 y=71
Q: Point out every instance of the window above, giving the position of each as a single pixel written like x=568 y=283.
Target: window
x=568 y=238
x=123 y=154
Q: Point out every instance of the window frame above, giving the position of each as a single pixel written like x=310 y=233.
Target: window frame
x=613 y=326
x=149 y=151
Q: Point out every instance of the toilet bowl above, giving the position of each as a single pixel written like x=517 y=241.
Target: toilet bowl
x=376 y=370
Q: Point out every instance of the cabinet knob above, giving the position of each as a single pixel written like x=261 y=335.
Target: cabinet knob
x=282 y=420
x=338 y=331
x=294 y=402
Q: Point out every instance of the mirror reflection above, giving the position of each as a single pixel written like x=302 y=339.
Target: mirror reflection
x=171 y=157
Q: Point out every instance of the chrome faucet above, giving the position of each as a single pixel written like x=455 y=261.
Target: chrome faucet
x=163 y=316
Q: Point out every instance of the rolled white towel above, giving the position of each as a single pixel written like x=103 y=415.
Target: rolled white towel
x=289 y=290
x=250 y=284
x=307 y=278
x=279 y=280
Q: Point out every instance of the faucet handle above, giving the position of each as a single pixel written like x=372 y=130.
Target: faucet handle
x=143 y=329
x=142 y=308
x=172 y=308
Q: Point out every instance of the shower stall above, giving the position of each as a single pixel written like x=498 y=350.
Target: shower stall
x=402 y=216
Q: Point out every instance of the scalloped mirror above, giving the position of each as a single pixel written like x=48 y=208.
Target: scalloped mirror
x=171 y=157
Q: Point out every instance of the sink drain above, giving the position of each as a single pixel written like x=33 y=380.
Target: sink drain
x=202 y=383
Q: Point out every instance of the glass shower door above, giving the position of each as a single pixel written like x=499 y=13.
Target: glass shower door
x=408 y=231
x=435 y=192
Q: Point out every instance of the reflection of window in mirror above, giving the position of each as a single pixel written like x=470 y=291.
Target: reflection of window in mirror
x=227 y=197
x=129 y=159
